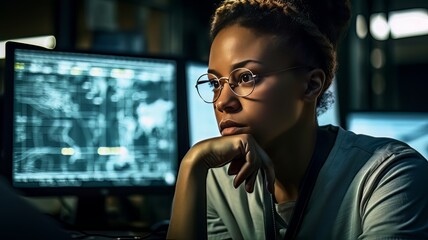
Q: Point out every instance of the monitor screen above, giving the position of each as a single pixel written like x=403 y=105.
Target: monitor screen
x=88 y=120
x=202 y=122
x=331 y=116
x=409 y=127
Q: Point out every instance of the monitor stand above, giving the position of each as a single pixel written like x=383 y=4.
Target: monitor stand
x=91 y=213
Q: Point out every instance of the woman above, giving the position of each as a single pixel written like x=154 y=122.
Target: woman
x=274 y=172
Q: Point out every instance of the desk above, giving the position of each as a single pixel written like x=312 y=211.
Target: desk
x=122 y=235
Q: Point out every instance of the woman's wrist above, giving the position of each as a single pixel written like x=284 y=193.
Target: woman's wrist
x=194 y=159
x=192 y=167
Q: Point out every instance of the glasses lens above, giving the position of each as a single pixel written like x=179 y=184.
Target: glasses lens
x=243 y=82
x=208 y=87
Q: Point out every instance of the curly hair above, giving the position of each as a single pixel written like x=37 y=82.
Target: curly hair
x=314 y=29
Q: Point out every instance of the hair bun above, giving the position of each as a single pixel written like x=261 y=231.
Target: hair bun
x=331 y=16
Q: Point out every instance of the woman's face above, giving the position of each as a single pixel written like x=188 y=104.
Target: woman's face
x=276 y=104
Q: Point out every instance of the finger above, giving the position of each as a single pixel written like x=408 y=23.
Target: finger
x=251 y=165
x=235 y=166
x=250 y=182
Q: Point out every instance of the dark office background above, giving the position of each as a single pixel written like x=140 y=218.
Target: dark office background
x=373 y=74
x=180 y=28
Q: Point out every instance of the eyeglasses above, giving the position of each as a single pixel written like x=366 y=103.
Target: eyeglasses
x=241 y=81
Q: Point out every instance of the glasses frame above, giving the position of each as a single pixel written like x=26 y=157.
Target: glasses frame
x=256 y=77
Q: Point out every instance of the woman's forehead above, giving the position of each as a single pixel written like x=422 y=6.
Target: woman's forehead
x=236 y=43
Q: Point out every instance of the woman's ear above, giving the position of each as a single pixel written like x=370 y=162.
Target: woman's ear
x=314 y=85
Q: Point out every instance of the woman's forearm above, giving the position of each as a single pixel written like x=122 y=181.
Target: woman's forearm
x=188 y=219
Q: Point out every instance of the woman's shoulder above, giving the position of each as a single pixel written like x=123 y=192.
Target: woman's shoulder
x=364 y=182
x=375 y=154
x=363 y=156
x=380 y=146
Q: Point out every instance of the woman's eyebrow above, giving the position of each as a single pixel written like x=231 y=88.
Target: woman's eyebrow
x=238 y=65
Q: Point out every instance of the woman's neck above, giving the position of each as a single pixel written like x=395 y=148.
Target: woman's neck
x=291 y=153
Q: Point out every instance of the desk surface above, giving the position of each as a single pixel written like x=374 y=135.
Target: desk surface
x=119 y=235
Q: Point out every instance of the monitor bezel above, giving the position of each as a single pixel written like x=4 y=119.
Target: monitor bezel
x=6 y=165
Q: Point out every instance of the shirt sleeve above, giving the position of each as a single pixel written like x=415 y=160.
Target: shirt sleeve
x=216 y=228
x=395 y=201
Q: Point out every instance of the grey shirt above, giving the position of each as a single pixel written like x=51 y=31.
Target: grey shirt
x=368 y=188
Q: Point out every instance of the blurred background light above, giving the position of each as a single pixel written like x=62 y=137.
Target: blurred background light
x=378 y=84
x=408 y=23
x=377 y=58
x=379 y=27
x=361 y=26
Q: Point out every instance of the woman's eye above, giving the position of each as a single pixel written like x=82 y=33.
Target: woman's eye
x=245 y=77
x=214 y=84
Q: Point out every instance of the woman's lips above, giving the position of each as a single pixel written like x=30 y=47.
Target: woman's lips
x=231 y=131
x=229 y=127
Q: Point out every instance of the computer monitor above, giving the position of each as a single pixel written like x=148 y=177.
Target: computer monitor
x=331 y=116
x=201 y=119
x=90 y=123
x=409 y=127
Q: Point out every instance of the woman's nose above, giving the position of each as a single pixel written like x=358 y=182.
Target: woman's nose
x=227 y=101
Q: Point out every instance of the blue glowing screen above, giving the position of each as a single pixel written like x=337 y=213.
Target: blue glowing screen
x=93 y=120
x=202 y=122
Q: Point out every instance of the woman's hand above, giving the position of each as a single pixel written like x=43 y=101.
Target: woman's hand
x=246 y=157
